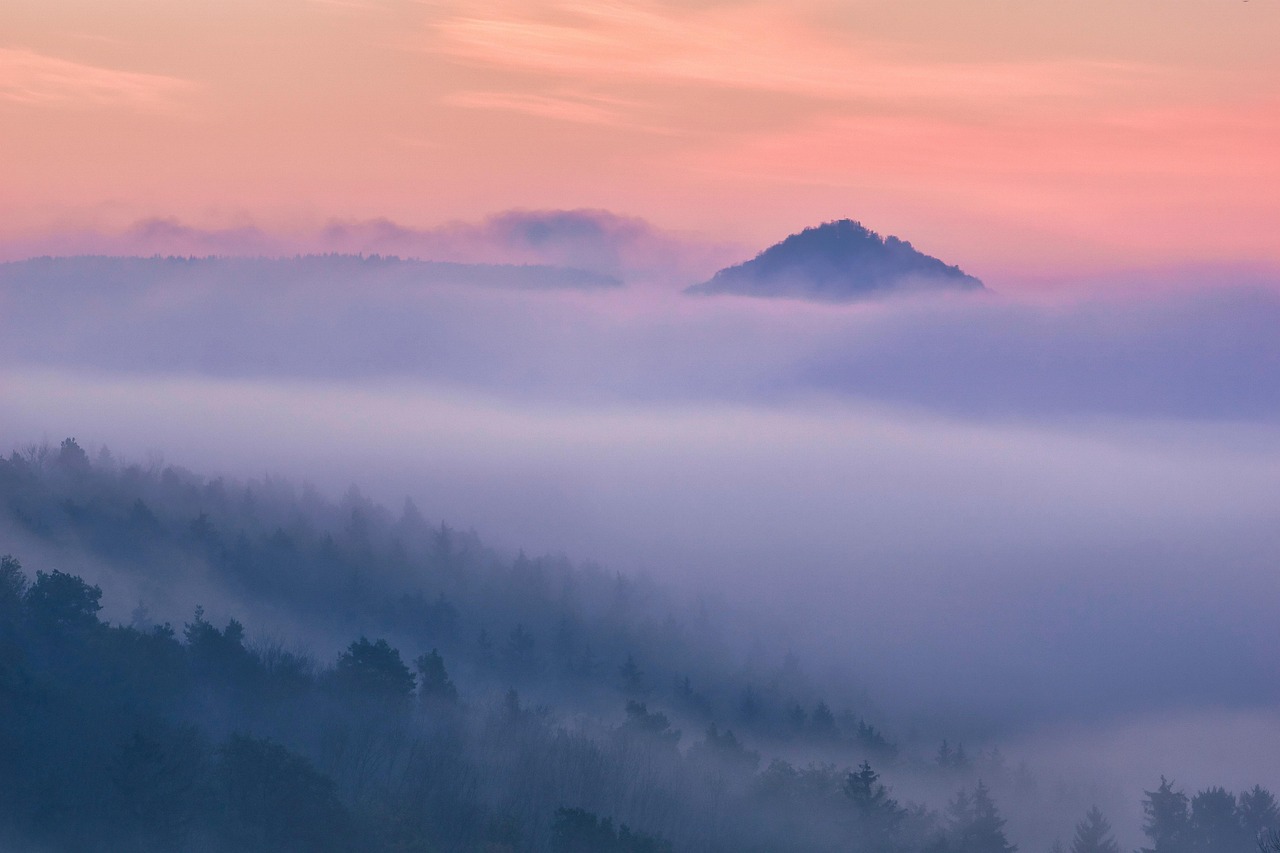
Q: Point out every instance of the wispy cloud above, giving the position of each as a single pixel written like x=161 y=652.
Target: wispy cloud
x=34 y=78
x=749 y=48
x=563 y=108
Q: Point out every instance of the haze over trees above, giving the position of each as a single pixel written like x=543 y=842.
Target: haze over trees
x=478 y=702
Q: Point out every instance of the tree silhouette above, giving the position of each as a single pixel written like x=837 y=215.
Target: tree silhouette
x=975 y=825
x=1166 y=820
x=655 y=724
x=726 y=750
x=374 y=670
x=58 y=602
x=434 y=682
x=1259 y=812
x=219 y=655
x=877 y=815
x=13 y=587
x=1093 y=834
x=1215 y=823
x=822 y=722
x=72 y=458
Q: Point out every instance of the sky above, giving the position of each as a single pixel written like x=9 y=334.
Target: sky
x=1023 y=141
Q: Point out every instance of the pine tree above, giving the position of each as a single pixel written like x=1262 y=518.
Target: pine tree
x=434 y=682
x=1259 y=812
x=987 y=832
x=1093 y=835
x=976 y=825
x=878 y=816
x=1215 y=823
x=1167 y=819
x=822 y=722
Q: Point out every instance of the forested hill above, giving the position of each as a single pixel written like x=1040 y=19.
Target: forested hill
x=836 y=262
x=474 y=702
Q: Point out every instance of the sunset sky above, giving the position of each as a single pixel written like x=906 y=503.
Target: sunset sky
x=1012 y=138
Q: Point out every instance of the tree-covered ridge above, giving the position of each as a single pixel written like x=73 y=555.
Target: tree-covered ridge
x=128 y=738
x=475 y=702
x=837 y=261
x=538 y=624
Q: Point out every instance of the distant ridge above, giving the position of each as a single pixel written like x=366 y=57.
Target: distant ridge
x=837 y=262
x=99 y=272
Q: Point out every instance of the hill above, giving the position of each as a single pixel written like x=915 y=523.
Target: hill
x=837 y=262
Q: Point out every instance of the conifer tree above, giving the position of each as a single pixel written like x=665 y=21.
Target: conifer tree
x=976 y=825
x=434 y=682
x=1215 y=823
x=1093 y=835
x=878 y=816
x=1167 y=819
x=1259 y=812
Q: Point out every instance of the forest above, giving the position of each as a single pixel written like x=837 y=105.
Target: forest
x=348 y=678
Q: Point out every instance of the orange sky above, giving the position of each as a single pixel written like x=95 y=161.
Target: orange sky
x=1004 y=136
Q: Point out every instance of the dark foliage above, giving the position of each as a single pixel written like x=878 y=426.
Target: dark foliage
x=579 y=831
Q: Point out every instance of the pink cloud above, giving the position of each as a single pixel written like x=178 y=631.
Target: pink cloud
x=752 y=48
x=564 y=108
x=27 y=77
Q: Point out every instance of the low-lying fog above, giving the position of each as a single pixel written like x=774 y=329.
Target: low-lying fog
x=1058 y=523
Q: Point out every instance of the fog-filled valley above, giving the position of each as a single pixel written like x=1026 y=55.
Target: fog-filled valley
x=1019 y=547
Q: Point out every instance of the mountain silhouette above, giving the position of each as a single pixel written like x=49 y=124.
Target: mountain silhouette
x=837 y=262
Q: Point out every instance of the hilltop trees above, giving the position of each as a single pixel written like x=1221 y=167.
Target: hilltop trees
x=1212 y=821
